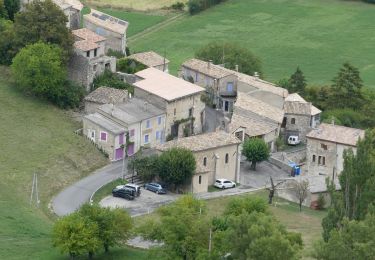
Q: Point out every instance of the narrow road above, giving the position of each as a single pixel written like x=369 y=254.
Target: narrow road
x=71 y=198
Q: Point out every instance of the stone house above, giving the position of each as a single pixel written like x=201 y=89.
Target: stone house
x=180 y=100
x=152 y=60
x=300 y=117
x=112 y=28
x=217 y=156
x=220 y=83
x=244 y=127
x=89 y=59
x=325 y=147
x=104 y=95
x=141 y=122
x=71 y=8
x=265 y=119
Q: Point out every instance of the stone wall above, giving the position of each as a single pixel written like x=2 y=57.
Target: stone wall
x=300 y=128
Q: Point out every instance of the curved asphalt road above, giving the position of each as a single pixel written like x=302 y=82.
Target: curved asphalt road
x=71 y=198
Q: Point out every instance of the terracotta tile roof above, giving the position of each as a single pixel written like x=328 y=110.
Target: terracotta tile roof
x=87 y=40
x=204 y=67
x=201 y=142
x=295 y=104
x=165 y=85
x=106 y=21
x=246 y=102
x=337 y=134
x=252 y=126
x=105 y=95
x=150 y=58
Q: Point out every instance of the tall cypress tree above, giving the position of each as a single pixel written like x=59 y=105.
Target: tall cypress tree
x=297 y=82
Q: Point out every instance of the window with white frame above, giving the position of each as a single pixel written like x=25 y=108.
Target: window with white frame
x=159 y=120
x=146 y=139
x=103 y=136
x=148 y=123
x=91 y=134
x=230 y=86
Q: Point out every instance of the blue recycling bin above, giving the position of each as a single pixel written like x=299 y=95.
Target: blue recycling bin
x=297 y=170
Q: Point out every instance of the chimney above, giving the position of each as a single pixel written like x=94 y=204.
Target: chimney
x=236 y=67
x=256 y=74
x=209 y=64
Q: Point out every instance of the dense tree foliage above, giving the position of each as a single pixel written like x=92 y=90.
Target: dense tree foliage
x=182 y=227
x=354 y=240
x=43 y=21
x=196 y=6
x=7 y=47
x=296 y=83
x=255 y=150
x=144 y=166
x=76 y=235
x=357 y=181
x=130 y=66
x=176 y=166
x=3 y=11
x=111 y=80
x=231 y=54
x=91 y=228
x=38 y=69
x=11 y=7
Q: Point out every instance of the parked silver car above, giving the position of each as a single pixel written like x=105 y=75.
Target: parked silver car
x=224 y=184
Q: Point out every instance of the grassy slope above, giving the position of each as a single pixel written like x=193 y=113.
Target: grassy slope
x=36 y=137
x=307 y=222
x=317 y=35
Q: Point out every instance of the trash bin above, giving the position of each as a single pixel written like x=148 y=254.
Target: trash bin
x=297 y=170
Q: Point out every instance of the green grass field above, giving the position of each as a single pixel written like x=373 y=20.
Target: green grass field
x=36 y=137
x=317 y=35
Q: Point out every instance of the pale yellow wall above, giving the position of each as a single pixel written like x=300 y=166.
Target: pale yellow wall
x=197 y=187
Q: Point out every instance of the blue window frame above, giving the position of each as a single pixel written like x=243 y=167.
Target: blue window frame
x=148 y=124
x=230 y=86
x=147 y=139
x=159 y=120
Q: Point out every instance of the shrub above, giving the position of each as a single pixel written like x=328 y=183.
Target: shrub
x=196 y=6
x=178 y=6
x=129 y=66
x=321 y=201
x=70 y=96
x=109 y=79
x=117 y=54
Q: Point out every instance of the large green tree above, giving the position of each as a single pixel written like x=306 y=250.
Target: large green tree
x=346 y=88
x=176 y=166
x=114 y=224
x=7 y=48
x=297 y=82
x=76 y=235
x=38 y=69
x=182 y=227
x=231 y=54
x=354 y=240
x=12 y=7
x=357 y=186
x=255 y=150
x=43 y=21
x=3 y=10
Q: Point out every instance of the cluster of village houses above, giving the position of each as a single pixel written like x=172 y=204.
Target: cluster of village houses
x=164 y=107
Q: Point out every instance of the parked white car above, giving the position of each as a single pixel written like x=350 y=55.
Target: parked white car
x=224 y=184
x=293 y=140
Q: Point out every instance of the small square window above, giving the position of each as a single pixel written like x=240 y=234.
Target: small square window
x=146 y=139
x=324 y=146
x=103 y=136
x=293 y=121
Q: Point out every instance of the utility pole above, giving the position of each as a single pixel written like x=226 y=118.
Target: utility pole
x=34 y=189
x=210 y=242
x=123 y=163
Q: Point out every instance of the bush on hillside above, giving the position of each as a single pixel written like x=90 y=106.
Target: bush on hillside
x=196 y=6
x=110 y=79
x=129 y=66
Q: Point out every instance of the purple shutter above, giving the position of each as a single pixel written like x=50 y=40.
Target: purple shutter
x=121 y=139
x=119 y=154
x=103 y=136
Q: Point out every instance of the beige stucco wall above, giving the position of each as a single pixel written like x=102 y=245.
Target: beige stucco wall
x=108 y=146
x=334 y=160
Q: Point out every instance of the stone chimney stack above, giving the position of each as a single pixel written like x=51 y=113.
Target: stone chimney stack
x=236 y=68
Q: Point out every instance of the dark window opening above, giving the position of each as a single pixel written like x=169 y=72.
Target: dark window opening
x=313 y=158
x=293 y=121
x=205 y=161
x=226 y=158
x=200 y=179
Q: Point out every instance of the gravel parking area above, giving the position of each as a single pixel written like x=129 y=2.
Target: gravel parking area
x=147 y=202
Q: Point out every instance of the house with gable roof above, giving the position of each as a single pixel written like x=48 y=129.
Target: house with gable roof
x=89 y=59
x=216 y=154
x=325 y=148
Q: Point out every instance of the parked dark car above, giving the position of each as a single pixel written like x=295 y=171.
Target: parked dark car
x=135 y=187
x=123 y=193
x=155 y=187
